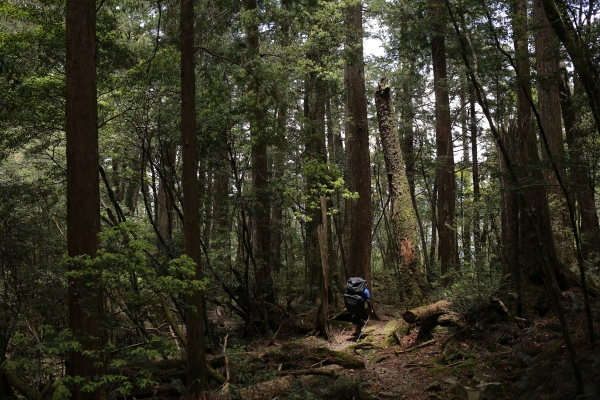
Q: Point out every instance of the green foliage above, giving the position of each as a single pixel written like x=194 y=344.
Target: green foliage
x=471 y=287
x=132 y=276
x=340 y=388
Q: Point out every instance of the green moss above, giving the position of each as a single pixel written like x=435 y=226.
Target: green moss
x=390 y=327
x=402 y=329
x=340 y=358
x=369 y=329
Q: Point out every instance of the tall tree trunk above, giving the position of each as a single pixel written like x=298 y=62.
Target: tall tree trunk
x=433 y=248
x=584 y=191
x=261 y=212
x=466 y=206
x=194 y=317
x=528 y=160
x=448 y=245
x=83 y=189
x=221 y=242
x=279 y=162
x=336 y=157
x=407 y=145
x=414 y=279
x=509 y=220
x=133 y=187
x=316 y=157
x=322 y=321
x=548 y=78
x=165 y=206
x=475 y=172
x=357 y=136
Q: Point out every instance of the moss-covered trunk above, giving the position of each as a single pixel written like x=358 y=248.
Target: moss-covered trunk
x=414 y=280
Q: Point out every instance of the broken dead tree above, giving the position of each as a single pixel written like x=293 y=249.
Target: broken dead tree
x=451 y=318
x=431 y=315
x=426 y=315
x=500 y=308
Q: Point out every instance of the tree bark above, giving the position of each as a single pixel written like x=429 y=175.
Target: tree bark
x=528 y=161
x=316 y=159
x=509 y=218
x=414 y=279
x=83 y=188
x=261 y=211
x=475 y=172
x=448 y=245
x=357 y=136
x=322 y=323
x=165 y=206
x=194 y=316
x=584 y=191
x=548 y=78
x=279 y=162
x=466 y=206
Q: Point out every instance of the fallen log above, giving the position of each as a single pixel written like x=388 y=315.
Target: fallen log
x=426 y=315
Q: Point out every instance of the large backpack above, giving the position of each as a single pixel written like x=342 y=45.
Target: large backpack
x=354 y=299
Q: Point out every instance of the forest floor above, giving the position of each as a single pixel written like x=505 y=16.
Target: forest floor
x=492 y=358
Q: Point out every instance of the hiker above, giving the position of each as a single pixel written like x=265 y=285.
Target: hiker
x=358 y=302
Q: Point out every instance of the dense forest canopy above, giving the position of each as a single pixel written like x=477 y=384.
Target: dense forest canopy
x=164 y=161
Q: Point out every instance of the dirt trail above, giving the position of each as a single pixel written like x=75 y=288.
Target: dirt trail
x=397 y=372
x=393 y=375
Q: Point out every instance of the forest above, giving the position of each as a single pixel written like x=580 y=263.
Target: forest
x=186 y=187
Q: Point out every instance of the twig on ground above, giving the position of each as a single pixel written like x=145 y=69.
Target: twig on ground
x=272 y=341
x=320 y=362
x=428 y=343
x=456 y=363
x=420 y=365
x=226 y=359
x=314 y=371
x=306 y=313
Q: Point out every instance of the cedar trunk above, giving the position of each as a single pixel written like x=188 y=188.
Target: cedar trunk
x=357 y=136
x=315 y=157
x=261 y=221
x=548 y=78
x=475 y=172
x=537 y=230
x=448 y=245
x=584 y=192
x=194 y=318
x=83 y=186
x=322 y=321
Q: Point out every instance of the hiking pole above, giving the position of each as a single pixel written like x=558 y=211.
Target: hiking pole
x=363 y=328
